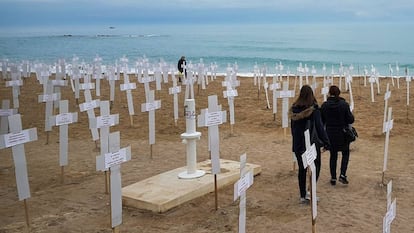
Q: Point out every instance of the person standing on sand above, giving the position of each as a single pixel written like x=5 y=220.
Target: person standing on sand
x=182 y=62
x=336 y=115
x=305 y=109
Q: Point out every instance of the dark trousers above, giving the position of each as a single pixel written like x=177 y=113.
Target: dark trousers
x=302 y=171
x=333 y=161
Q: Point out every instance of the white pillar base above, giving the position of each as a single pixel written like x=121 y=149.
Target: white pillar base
x=196 y=174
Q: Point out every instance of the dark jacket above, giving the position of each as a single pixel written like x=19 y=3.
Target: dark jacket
x=180 y=65
x=336 y=115
x=299 y=117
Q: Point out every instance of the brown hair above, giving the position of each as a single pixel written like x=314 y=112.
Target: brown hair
x=306 y=97
x=334 y=91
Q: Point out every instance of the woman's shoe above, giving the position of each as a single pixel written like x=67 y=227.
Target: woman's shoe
x=333 y=181
x=343 y=179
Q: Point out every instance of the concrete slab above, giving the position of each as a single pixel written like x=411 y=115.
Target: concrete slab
x=165 y=191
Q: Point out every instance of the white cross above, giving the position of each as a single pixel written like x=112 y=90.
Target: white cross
x=89 y=105
x=127 y=86
x=146 y=80
x=174 y=90
x=16 y=139
x=388 y=125
x=387 y=96
x=285 y=94
x=273 y=87
x=97 y=74
x=408 y=80
x=150 y=107
x=389 y=217
x=5 y=112
x=308 y=158
x=49 y=97
x=112 y=76
x=212 y=117
x=103 y=123
x=15 y=83
x=112 y=160
x=240 y=187
x=63 y=119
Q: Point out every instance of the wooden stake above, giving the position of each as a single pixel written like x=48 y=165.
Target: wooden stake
x=62 y=174
x=107 y=180
x=215 y=191
x=26 y=210
x=131 y=120
x=151 y=151
x=47 y=137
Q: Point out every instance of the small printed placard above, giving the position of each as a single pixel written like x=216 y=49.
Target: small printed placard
x=108 y=120
x=14 y=83
x=52 y=97
x=89 y=105
x=274 y=86
x=58 y=82
x=213 y=118
x=372 y=79
x=285 y=94
x=6 y=112
x=128 y=86
x=230 y=93
x=408 y=79
x=244 y=183
x=325 y=90
x=64 y=119
x=13 y=139
x=115 y=158
x=387 y=95
x=87 y=86
x=389 y=216
x=309 y=156
x=148 y=79
x=152 y=106
x=175 y=90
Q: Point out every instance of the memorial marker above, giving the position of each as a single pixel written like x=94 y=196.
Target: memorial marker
x=112 y=160
x=127 y=86
x=89 y=106
x=97 y=74
x=240 y=188
x=212 y=118
x=387 y=96
x=150 y=107
x=62 y=120
x=49 y=97
x=388 y=126
x=103 y=123
x=285 y=94
x=273 y=87
x=174 y=90
x=16 y=139
x=308 y=158
x=230 y=94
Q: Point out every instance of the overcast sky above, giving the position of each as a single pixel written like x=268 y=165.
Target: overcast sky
x=116 y=12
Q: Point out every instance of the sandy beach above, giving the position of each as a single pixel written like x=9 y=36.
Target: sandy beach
x=81 y=205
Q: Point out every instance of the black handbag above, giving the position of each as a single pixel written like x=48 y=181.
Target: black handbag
x=313 y=133
x=350 y=133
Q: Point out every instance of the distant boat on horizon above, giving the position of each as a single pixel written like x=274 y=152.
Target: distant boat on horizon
x=111 y=27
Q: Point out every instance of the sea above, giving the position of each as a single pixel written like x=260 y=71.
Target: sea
x=324 y=47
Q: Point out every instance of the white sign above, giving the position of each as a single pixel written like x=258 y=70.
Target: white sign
x=285 y=94
x=309 y=156
x=325 y=90
x=274 y=86
x=13 y=139
x=58 y=82
x=213 y=118
x=89 y=105
x=387 y=95
x=388 y=125
x=244 y=183
x=6 y=112
x=152 y=106
x=115 y=158
x=128 y=86
x=52 y=97
x=389 y=217
x=147 y=79
x=230 y=93
x=175 y=90
x=64 y=119
x=87 y=86
x=108 y=120
x=14 y=83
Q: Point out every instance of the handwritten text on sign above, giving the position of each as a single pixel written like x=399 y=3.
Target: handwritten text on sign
x=128 y=86
x=13 y=139
x=175 y=90
x=152 y=106
x=64 y=119
x=285 y=94
x=115 y=158
x=6 y=112
x=52 y=97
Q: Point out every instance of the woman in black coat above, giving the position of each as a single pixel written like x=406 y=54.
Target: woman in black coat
x=336 y=115
x=303 y=109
